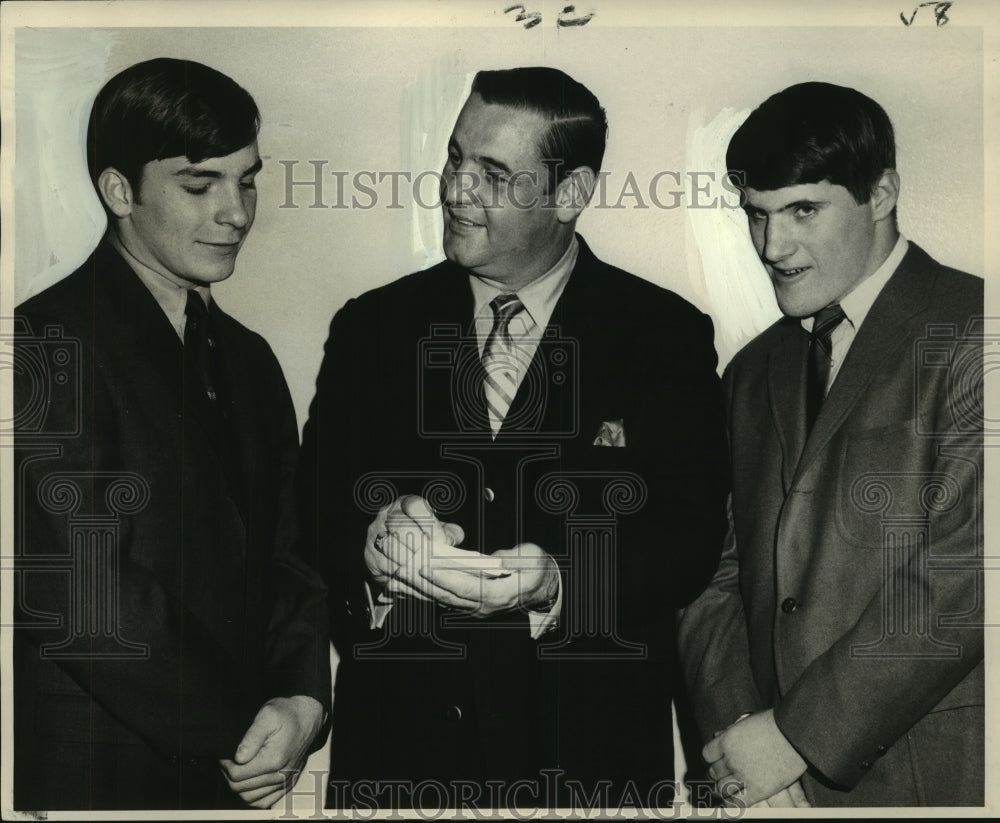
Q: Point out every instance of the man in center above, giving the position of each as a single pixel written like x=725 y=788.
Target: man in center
x=512 y=475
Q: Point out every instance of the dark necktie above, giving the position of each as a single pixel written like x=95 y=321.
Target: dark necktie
x=500 y=360
x=199 y=345
x=820 y=359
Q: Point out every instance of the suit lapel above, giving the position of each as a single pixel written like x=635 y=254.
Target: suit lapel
x=446 y=362
x=878 y=342
x=239 y=436
x=786 y=370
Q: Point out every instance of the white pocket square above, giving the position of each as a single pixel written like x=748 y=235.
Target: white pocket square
x=611 y=433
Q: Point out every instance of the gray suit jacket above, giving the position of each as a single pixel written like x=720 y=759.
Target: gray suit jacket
x=848 y=596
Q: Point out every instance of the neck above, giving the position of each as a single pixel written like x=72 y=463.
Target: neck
x=513 y=281
x=884 y=244
x=120 y=241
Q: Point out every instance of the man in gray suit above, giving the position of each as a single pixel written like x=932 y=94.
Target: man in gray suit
x=837 y=657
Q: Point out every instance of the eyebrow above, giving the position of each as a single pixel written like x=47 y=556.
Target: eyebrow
x=483 y=159
x=788 y=207
x=194 y=171
x=491 y=161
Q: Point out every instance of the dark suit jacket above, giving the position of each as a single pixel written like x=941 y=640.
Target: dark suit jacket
x=158 y=604
x=848 y=596
x=399 y=409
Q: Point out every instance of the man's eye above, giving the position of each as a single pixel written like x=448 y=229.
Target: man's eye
x=756 y=216
x=805 y=211
x=195 y=189
x=496 y=176
x=248 y=184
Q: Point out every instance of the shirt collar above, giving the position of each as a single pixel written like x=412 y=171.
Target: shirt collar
x=539 y=296
x=169 y=296
x=858 y=302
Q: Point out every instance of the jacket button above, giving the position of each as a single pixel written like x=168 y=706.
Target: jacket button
x=865 y=765
x=488 y=494
x=880 y=750
x=453 y=713
x=788 y=605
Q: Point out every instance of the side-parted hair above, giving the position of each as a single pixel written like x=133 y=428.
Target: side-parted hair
x=813 y=132
x=167 y=108
x=578 y=125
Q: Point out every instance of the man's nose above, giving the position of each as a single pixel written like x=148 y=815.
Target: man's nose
x=778 y=241
x=461 y=186
x=236 y=207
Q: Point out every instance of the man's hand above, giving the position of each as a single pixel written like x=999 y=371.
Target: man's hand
x=273 y=750
x=401 y=563
x=754 y=754
x=533 y=583
x=412 y=521
x=792 y=797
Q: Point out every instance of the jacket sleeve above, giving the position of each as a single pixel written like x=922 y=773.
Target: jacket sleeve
x=332 y=531
x=713 y=643
x=298 y=639
x=714 y=649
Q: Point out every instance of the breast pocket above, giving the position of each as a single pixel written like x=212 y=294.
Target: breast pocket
x=890 y=485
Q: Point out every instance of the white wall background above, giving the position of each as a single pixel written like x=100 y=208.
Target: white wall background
x=384 y=99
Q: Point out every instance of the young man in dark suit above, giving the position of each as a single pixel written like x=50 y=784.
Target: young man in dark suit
x=169 y=651
x=846 y=616
x=513 y=471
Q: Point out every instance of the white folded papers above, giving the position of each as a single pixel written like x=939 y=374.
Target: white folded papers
x=443 y=556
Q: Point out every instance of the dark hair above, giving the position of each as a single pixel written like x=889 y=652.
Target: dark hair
x=813 y=132
x=578 y=125
x=167 y=108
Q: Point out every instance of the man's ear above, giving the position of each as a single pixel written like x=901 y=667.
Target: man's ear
x=885 y=194
x=573 y=193
x=116 y=192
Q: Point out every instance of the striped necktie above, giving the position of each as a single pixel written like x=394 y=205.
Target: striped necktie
x=821 y=359
x=500 y=360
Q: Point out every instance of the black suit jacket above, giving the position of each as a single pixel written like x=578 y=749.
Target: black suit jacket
x=158 y=603
x=636 y=530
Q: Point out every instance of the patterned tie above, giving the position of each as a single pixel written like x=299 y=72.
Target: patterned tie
x=198 y=343
x=820 y=359
x=500 y=360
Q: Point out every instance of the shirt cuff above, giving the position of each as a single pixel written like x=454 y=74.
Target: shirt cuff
x=378 y=607
x=542 y=622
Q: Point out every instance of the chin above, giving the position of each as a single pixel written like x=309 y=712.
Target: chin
x=207 y=278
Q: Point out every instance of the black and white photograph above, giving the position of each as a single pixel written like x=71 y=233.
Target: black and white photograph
x=475 y=410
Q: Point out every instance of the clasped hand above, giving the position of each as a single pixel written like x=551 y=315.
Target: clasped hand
x=274 y=749
x=399 y=556
x=753 y=761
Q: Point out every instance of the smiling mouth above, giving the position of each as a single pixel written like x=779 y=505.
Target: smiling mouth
x=461 y=221
x=789 y=273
